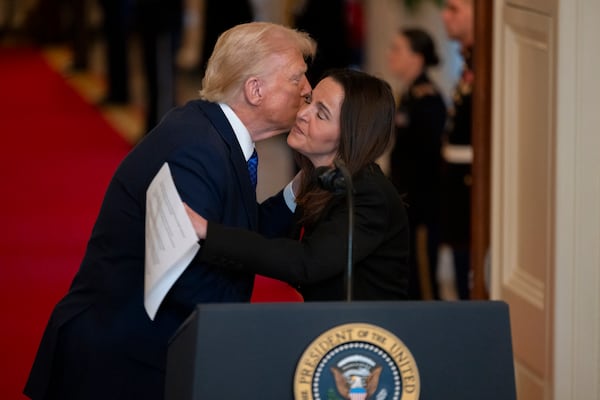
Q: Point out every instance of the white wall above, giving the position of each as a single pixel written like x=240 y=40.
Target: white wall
x=576 y=372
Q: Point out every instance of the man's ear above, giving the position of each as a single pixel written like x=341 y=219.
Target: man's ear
x=253 y=90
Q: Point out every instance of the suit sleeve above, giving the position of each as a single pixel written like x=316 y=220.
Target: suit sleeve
x=275 y=218
x=321 y=254
x=198 y=181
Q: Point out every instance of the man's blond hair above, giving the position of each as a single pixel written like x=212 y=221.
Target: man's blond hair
x=244 y=51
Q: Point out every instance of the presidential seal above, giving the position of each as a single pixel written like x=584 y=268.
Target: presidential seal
x=356 y=362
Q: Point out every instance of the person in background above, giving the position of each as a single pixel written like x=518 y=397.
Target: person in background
x=204 y=21
x=117 y=19
x=415 y=160
x=220 y=16
x=457 y=151
x=99 y=342
x=327 y=22
x=349 y=118
x=159 y=23
x=50 y=22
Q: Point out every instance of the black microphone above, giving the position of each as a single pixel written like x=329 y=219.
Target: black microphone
x=337 y=180
x=331 y=179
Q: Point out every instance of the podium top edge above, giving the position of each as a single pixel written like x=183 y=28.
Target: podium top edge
x=353 y=304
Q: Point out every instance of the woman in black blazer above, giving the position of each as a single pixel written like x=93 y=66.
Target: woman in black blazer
x=350 y=117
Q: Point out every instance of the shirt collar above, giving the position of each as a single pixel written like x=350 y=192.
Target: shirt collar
x=241 y=132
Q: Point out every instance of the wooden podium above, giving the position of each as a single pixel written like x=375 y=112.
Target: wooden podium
x=458 y=350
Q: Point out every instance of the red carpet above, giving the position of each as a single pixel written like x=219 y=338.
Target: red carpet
x=58 y=154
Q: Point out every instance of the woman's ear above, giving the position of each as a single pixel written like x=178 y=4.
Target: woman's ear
x=253 y=90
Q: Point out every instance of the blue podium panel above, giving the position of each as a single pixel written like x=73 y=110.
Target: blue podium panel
x=324 y=351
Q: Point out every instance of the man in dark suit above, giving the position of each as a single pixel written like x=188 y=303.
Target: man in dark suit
x=99 y=342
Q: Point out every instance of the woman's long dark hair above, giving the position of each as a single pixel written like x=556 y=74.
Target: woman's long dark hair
x=366 y=127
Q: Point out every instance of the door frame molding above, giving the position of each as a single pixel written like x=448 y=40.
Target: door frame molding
x=481 y=142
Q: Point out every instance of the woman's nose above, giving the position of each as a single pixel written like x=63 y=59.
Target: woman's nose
x=301 y=114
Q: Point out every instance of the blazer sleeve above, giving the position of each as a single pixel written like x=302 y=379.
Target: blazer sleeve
x=320 y=255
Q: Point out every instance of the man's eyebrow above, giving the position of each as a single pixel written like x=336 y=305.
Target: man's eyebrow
x=301 y=72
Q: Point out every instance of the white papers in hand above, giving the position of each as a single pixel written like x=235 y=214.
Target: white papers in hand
x=171 y=242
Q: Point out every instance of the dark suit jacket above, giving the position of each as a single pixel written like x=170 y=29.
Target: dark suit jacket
x=99 y=342
x=317 y=263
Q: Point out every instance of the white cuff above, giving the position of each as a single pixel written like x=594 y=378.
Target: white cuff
x=457 y=154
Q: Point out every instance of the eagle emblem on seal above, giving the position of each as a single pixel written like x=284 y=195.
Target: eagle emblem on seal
x=354 y=385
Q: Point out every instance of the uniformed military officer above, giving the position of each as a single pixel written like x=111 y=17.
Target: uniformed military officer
x=415 y=161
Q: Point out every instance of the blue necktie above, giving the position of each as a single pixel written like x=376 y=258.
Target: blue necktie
x=253 y=168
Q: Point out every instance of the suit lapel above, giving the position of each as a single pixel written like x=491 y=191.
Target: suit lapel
x=221 y=124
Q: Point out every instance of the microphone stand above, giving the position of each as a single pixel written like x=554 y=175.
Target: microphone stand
x=330 y=179
x=341 y=166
